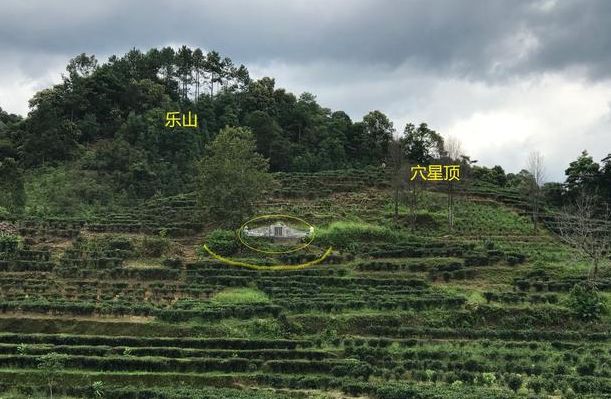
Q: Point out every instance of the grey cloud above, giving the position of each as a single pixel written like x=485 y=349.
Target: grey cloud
x=452 y=37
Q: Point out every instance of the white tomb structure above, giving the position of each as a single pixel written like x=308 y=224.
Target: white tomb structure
x=277 y=230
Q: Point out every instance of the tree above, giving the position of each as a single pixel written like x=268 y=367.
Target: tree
x=6 y=118
x=422 y=145
x=453 y=148
x=214 y=66
x=270 y=141
x=184 y=63
x=51 y=365
x=377 y=134
x=587 y=229
x=82 y=66
x=495 y=175
x=398 y=172
x=12 y=192
x=582 y=175
x=47 y=135
x=452 y=154
x=553 y=193
x=605 y=178
x=414 y=195
x=233 y=176
x=167 y=59
x=198 y=68
x=534 y=184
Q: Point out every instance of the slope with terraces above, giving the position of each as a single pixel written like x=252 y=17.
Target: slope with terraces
x=398 y=312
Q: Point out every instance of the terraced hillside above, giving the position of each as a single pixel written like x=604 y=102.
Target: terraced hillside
x=128 y=306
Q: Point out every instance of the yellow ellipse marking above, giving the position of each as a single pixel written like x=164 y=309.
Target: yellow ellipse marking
x=263 y=217
x=273 y=267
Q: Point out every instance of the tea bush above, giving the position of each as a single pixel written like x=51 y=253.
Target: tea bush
x=223 y=242
x=343 y=234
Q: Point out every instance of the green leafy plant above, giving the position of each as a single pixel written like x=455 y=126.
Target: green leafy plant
x=10 y=242
x=98 y=389
x=153 y=246
x=223 y=242
x=51 y=365
x=586 y=302
x=23 y=349
x=514 y=381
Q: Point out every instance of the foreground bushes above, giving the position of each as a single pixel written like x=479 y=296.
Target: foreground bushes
x=9 y=243
x=223 y=242
x=586 y=302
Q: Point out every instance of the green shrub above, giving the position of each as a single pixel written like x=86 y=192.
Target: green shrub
x=512 y=260
x=153 y=246
x=66 y=190
x=10 y=242
x=121 y=243
x=107 y=243
x=223 y=242
x=536 y=384
x=343 y=234
x=268 y=328
x=586 y=302
x=488 y=378
x=395 y=392
x=586 y=367
x=514 y=381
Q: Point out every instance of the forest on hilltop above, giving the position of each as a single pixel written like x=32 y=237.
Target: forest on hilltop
x=98 y=139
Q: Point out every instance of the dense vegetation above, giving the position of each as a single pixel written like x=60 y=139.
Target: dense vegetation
x=123 y=307
x=98 y=139
x=438 y=291
x=100 y=134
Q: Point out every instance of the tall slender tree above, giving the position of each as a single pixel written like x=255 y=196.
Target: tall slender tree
x=397 y=167
x=536 y=171
x=214 y=67
x=198 y=69
x=586 y=226
x=184 y=63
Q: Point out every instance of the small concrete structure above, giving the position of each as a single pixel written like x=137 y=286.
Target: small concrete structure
x=277 y=230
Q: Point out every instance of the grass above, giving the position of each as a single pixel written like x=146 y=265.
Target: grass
x=343 y=234
x=240 y=296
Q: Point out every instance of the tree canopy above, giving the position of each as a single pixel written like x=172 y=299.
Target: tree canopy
x=233 y=176
x=105 y=121
x=107 y=118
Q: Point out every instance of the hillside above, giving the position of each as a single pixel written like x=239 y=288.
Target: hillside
x=131 y=307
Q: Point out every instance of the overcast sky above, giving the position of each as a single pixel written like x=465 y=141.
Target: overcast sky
x=505 y=77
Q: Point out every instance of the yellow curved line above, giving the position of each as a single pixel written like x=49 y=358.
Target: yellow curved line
x=273 y=267
x=272 y=216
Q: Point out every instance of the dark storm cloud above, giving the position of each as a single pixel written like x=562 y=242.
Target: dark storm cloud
x=473 y=39
x=579 y=34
